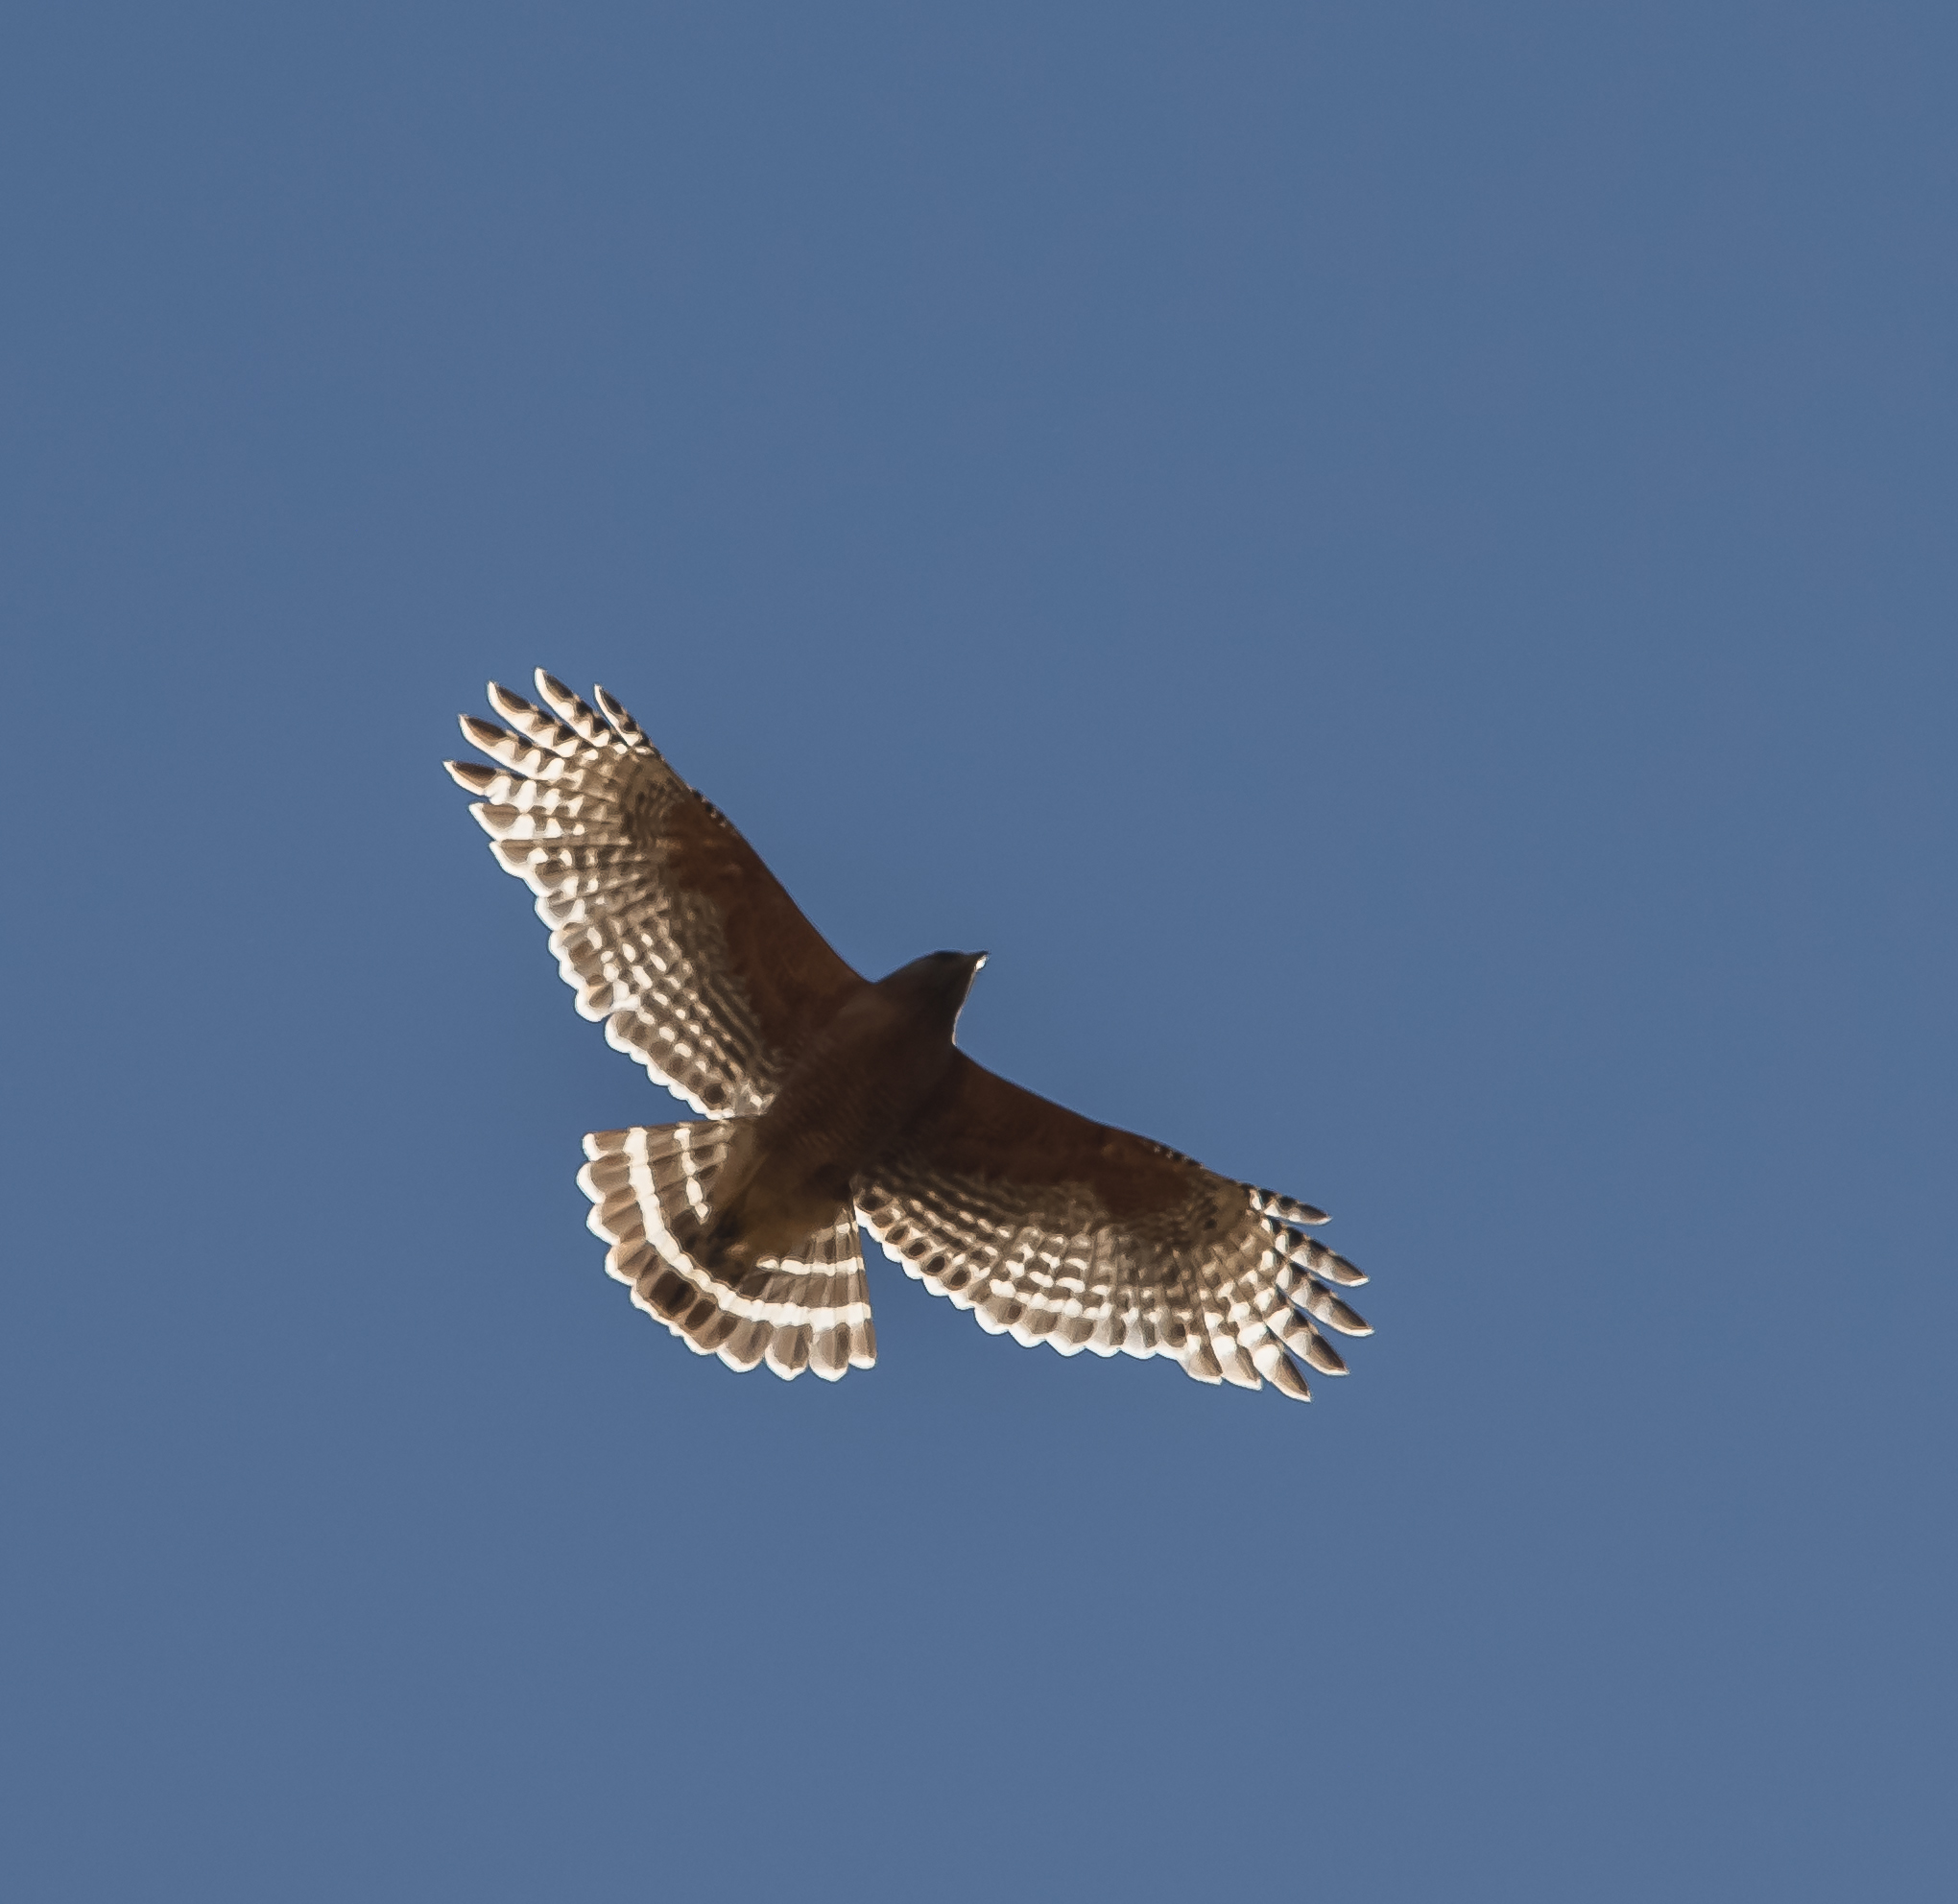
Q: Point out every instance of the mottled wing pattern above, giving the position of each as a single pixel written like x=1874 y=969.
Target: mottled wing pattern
x=662 y=918
x=1057 y=1229
x=650 y=1191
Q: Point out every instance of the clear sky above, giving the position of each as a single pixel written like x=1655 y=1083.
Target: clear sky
x=1394 y=564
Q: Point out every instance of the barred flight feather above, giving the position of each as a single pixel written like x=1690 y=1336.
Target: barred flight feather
x=623 y=857
x=1219 y=1303
x=651 y=1191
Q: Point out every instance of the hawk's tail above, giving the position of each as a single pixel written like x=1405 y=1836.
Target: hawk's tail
x=807 y=1308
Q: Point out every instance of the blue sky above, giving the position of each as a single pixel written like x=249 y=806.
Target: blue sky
x=1394 y=564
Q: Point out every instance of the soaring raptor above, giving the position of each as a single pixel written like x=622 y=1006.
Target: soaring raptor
x=833 y=1102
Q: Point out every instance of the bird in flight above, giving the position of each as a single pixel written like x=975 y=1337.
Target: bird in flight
x=833 y=1102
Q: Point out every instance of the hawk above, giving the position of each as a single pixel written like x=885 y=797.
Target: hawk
x=832 y=1101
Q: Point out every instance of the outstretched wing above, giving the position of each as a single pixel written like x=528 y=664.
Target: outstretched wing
x=662 y=918
x=1057 y=1229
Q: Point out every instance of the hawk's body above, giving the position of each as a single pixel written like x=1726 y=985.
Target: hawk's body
x=852 y=1092
x=836 y=1101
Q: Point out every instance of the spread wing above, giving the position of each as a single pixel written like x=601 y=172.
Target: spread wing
x=662 y=918
x=1063 y=1230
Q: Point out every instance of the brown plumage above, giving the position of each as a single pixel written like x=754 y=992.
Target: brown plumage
x=834 y=1101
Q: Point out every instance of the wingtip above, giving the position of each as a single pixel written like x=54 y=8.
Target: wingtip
x=559 y=699
x=1320 y=1354
x=507 y=702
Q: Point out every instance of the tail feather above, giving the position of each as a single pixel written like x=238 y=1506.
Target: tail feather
x=651 y=1190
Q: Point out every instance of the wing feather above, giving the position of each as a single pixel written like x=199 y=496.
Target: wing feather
x=1057 y=1229
x=663 y=920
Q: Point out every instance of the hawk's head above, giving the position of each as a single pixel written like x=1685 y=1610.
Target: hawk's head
x=939 y=982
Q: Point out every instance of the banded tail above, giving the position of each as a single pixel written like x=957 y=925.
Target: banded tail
x=651 y=1193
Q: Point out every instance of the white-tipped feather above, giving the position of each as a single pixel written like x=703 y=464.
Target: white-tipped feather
x=1316 y=1299
x=533 y=721
x=623 y=725
x=576 y=715
x=1286 y=1209
x=1277 y=1367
